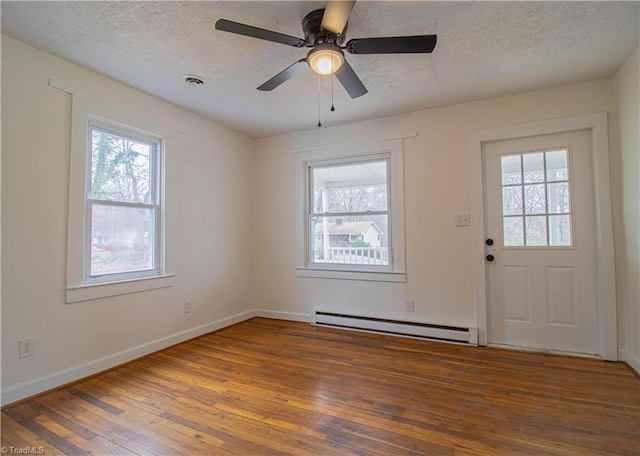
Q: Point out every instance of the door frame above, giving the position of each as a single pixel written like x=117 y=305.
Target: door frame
x=596 y=124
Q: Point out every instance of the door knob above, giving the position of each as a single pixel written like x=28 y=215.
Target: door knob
x=489 y=241
x=490 y=258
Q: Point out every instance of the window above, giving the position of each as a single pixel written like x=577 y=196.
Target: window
x=351 y=212
x=123 y=210
x=536 y=199
x=116 y=236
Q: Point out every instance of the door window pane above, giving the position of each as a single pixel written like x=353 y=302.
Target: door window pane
x=534 y=199
x=513 y=231
x=536 y=230
x=511 y=171
x=558 y=194
x=512 y=200
x=560 y=230
x=557 y=165
x=533 y=167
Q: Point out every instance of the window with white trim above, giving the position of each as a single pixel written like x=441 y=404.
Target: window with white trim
x=351 y=212
x=123 y=231
x=117 y=238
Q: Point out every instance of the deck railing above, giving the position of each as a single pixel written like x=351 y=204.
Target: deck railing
x=355 y=255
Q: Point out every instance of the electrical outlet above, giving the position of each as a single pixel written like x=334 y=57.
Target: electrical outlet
x=26 y=348
x=187 y=306
x=409 y=305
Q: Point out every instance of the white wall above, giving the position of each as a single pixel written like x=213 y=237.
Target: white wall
x=210 y=232
x=626 y=97
x=436 y=188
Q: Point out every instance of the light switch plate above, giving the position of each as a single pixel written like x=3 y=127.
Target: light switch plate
x=463 y=219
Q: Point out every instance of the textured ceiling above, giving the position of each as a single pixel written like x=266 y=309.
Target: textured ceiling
x=485 y=49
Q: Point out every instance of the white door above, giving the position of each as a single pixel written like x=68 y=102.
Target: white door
x=540 y=243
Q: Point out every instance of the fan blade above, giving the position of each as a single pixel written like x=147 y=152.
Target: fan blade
x=419 y=44
x=283 y=76
x=350 y=81
x=336 y=15
x=255 y=32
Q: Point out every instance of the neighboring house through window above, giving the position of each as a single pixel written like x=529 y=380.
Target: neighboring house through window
x=352 y=215
x=348 y=211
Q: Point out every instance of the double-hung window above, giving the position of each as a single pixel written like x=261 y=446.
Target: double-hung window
x=122 y=204
x=116 y=230
x=349 y=213
x=352 y=212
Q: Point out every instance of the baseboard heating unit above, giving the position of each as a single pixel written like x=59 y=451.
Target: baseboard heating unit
x=403 y=328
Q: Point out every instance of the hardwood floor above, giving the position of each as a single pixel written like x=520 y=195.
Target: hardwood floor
x=267 y=387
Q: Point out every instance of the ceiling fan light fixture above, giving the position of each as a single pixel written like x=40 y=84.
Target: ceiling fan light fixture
x=325 y=59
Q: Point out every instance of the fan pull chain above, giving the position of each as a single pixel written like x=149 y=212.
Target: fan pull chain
x=319 y=122
x=332 y=78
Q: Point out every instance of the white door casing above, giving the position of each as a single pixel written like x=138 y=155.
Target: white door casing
x=539 y=214
x=596 y=125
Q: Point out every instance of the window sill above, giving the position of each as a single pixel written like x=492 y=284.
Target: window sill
x=352 y=275
x=105 y=290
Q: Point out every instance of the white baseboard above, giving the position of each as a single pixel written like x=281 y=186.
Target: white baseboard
x=631 y=360
x=282 y=315
x=39 y=385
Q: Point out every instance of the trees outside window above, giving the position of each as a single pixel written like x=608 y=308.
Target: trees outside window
x=350 y=211
x=536 y=199
x=349 y=216
x=122 y=203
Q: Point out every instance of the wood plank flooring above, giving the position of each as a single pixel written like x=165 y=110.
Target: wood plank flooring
x=270 y=387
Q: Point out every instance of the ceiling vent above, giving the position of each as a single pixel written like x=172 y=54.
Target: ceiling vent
x=193 y=80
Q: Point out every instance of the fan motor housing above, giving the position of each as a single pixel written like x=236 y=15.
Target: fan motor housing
x=314 y=33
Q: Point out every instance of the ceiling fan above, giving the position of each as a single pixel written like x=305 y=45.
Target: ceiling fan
x=324 y=32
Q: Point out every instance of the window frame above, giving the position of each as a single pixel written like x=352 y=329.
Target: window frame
x=155 y=171
x=85 y=109
x=353 y=152
x=569 y=155
x=310 y=187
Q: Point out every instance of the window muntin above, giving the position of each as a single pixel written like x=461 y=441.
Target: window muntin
x=123 y=210
x=349 y=214
x=536 y=199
